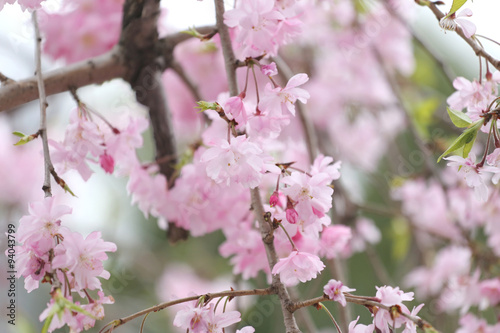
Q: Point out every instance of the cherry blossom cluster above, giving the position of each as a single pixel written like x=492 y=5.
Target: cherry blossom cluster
x=82 y=29
x=70 y=263
x=262 y=26
x=479 y=98
x=455 y=215
x=25 y=4
x=383 y=320
x=197 y=317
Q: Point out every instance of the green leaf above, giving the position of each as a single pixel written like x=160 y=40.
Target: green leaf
x=466 y=140
x=459 y=118
x=203 y=106
x=67 y=189
x=192 y=32
x=456 y=6
x=24 y=138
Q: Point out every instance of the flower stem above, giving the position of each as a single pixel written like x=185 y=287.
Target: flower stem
x=331 y=317
x=294 y=248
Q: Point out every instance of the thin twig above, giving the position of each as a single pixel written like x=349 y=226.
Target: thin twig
x=207 y=297
x=367 y=301
x=272 y=258
x=43 y=108
x=428 y=159
x=447 y=71
x=478 y=50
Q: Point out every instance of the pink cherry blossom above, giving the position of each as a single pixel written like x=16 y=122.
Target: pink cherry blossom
x=334 y=240
x=216 y=322
x=240 y=161
x=246 y=329
x=245 y=246
x=335 y=291
x=298 y=266
x=470 y=323
x=312 y=197
x=292 y=216
x=457 y=19
x=474 y=175
x=121 y=146
x=86 y=30
x=280 y=100
x=323 y=164
x=82 y=137
x=193 y=318
x=40 y=227
x=491 y=290
x=147 y=190
x=354 y=327
x=471 y=94
x=258 y=23
x=194 y=202
x=25 y=4
x=235 y=109
x=82 y=258
x=391 y=296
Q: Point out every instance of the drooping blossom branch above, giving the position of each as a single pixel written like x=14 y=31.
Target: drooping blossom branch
x=265 y=228
x=206 y=298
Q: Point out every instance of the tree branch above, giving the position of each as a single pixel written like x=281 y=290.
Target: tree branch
x=368 y=302
x=96 y=70
x=478 y=50
x=265 y=229
x=208 y=297
x=43 y=108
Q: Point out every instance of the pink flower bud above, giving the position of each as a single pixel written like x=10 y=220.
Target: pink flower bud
x=274 y=199
x=107 y=162
x=292 y=216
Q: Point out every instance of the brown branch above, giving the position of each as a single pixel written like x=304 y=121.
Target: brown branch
x=265 y=228
x=5 y=79
x=140 y=43
x=478 y=50
x=369 y=302
x=227 y=48
x=207 y=298
x=96 y=70
x=272 y=258
x=93 y=71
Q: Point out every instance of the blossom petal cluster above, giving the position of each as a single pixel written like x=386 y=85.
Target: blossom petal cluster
x=51 y=252
x=263 y=26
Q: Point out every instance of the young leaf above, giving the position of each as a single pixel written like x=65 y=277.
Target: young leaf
x=19 y=134
x=456 y=6
x=467 y=138
x=459 y=118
